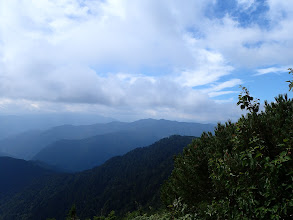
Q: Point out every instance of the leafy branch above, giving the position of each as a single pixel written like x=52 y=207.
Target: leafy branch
x=290 y=81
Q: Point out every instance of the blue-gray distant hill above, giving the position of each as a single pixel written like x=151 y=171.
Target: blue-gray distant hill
x=26 y=145
x=78 y=155
x=14 y=124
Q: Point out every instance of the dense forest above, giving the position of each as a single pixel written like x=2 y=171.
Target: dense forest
x=16 y=174
x=124 y=183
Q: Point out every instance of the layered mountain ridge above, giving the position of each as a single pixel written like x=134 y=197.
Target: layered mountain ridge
x=122 y=184
x=77 y=148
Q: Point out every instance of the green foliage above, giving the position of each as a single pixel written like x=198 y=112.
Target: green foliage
x=111 y=216
x=163 y=216
x=244 y=171
x=72 y=213
x=247 y=102
x=153 y=217
x=131 y=215
x=290 y=81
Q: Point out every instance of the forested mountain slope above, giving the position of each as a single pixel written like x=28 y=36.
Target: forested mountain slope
x=243 y=171
x=78 y=155
x=123 y=183
x=16 y=174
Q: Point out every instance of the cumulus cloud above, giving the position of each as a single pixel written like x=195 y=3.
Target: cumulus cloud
x=123 y=57
x=209 y=67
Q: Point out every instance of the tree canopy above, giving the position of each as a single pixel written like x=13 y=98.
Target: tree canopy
x=243 y=171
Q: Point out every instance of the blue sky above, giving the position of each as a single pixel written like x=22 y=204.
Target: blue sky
x=180 y=60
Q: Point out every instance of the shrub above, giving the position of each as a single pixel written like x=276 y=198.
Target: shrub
x=243 y=171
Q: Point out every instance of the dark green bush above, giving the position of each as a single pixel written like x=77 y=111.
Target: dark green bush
x=243 y=171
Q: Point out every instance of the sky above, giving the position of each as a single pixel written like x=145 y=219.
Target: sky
x=127 y=59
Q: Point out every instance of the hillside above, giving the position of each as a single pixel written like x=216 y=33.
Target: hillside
x=17 y=174
x=78 y=155
x=14 y=124
x=122 y=184
x=28 y=144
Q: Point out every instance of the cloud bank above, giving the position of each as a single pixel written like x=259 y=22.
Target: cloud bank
x=132 y=59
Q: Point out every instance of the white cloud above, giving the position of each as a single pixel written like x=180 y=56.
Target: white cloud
x=130 y=56
x=253 y=45
x=271 y=70
x=217 y=89
x=280 y=10
x=246 y=4
x=209 y=67
x=227 y=84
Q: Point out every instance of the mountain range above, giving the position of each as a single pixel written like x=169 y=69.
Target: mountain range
x=77 y=148
x=14 y=124
x=123 y=183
